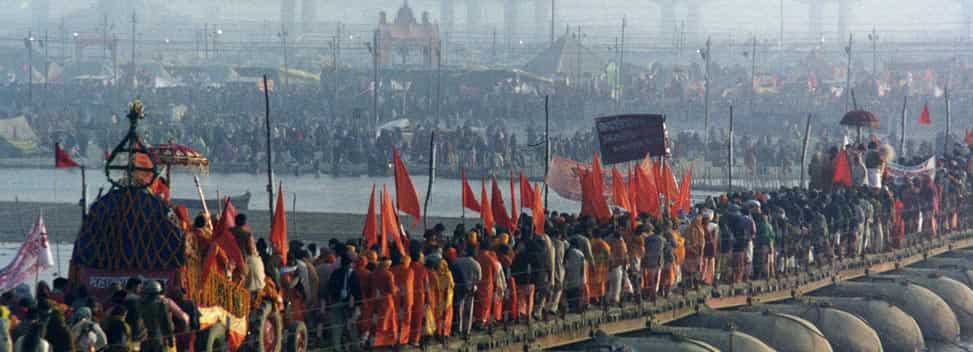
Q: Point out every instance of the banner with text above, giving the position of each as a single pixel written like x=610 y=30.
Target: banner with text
x=631 y=137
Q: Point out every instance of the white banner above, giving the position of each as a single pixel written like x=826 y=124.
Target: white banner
x=926 y=168
x=33 y=257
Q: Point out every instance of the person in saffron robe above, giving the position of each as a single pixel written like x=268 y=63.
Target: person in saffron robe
x=420 y=298
x=483 y=306
x=695 y=241
x=711 y=247
x=602 y=253
x=405 y=282
x=363 y=272
x=441 y=286
x=506 y=258
x=616 y=263
x=386 y=323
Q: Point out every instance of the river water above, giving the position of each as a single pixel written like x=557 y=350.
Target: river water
x=313 y=194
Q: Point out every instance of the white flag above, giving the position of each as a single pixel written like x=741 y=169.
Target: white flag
x=33 y=257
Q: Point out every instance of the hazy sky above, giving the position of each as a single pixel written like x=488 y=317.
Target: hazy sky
x=897 y=18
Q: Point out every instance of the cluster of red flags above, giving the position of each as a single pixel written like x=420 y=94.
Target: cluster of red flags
x=223 y=240
x=387 y=225
x=648 y=184
x=493 y=209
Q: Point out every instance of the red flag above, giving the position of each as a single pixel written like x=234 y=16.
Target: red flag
x=499 y=209
x=469 y=199
x=223 y=240
x=514 y=213
x=383 y=242
x=969 y=137
x=842 y=173
x=648 y=194
x=619 y=191
x=62 y=159
x=684 y=201
x=370 y=232
x=669 y=187
x=406 y=198
x=593 y=202
x=537 y=210
x=924 y=118
x=486 y=210
x=160 y=188
x=278 y=227
x=527 y=196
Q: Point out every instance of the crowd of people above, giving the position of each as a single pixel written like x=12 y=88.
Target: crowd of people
x=443 y=285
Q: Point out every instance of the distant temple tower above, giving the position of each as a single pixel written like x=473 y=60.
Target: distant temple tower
x=405 y=35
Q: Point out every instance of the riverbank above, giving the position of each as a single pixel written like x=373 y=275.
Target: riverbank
x=64 y=220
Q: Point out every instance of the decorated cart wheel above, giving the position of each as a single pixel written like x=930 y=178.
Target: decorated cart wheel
x=270 y=326
x=297 y=337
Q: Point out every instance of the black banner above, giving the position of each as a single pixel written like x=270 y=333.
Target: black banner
x=630 y=137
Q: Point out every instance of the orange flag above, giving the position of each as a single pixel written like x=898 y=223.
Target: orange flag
x=599 y=175
x=527 y=196
x=842 y=173
x=684 y=200
x=514 y=213
x=390 y=227
x=383 y=242
x=486 y=211
x=469 y=199
x=619 y=191
x=370 y=232
x=278 y=227
x=406 y=198
x=537 y=210
x=647 y=198
x=499 y=209
x=924 y=117
x=593 y=202
x=670 y=189
x=969 y=137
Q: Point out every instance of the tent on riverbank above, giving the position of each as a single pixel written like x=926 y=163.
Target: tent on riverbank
x=17 y=138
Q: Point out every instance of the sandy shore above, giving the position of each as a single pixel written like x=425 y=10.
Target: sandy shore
x=64 y=220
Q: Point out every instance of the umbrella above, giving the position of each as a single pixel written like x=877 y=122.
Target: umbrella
x=859 y=119
x=179 y=155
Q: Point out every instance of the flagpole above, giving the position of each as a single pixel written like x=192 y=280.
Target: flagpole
x=432 y=177
x=84 y=193
x=946 y=138
x=270 y=154
x=905 y=104
x=807 y=136
x=547 y=141
x=729 y=148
